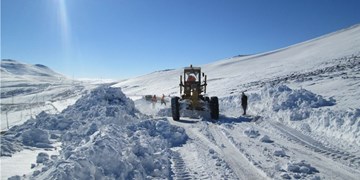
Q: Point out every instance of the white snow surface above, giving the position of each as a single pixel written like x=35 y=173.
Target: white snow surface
x=18 y=70
x=27 y=90
x=303 y=121
x=304 y=98
x=102 y=136
x=328 y=58
x=315 y=83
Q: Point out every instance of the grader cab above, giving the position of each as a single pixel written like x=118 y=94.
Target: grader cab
x=192 y=87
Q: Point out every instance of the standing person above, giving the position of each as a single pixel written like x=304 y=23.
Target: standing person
x=163 y=100
x=154 y=100
x=244 y=103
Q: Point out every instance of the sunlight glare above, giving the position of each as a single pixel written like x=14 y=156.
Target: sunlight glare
x=64 y=22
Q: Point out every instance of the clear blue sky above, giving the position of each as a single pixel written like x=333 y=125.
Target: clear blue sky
x=126 y=38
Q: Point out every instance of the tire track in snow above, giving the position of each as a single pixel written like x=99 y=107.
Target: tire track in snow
x=178 y=167
x=237 y=160
x=228 y=157
x=195 y=154
x=345 y=158
x=262 y=154
x=246 y=146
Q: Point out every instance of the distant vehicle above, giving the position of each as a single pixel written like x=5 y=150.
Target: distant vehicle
x=192 y=98
x=148 y=97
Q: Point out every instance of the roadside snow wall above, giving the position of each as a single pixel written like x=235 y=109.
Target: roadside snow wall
x=103 y=136
x=300 y=109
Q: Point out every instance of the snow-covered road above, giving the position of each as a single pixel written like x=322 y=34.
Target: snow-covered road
x=243 y=147
x=210 y=137
x=273 y=143
x=231 y=153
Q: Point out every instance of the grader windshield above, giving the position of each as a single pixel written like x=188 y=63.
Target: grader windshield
x=192 y=82
x=192 y=75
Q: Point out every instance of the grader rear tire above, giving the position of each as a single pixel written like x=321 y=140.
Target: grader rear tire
x=214 y=108
x=175 y=108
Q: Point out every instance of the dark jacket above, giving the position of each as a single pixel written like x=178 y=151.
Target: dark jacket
x=244 y=100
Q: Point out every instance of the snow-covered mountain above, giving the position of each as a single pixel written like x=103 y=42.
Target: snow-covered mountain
x=304 y=122
x=323 y=56
x=285 y=86
x=328 y=66
x=14 y=72
x=28 y=89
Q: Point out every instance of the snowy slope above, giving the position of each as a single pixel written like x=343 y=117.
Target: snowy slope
x=20 y=70
x=328 y=66
x=237 y=74
x=306 y=94
x=27 y=89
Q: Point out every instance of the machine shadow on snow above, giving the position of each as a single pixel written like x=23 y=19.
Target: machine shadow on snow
x=222 y=119
x=241 y=119
x=188 y=121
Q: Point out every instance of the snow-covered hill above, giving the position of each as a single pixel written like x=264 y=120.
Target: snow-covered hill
x=328 y=66
x=27 y=89
x=304 y=121
x=284 y=86
x=38 y=72
x=330 y=61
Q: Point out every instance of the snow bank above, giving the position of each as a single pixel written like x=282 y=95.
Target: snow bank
x=36 y=137
x=103 y=136
x=288 y=105
x=298 y=102
x=342 y=125
x=281 y=98
x=300 y=109
x=10 y=145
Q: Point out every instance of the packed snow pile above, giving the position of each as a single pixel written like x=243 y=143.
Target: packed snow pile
x=342 y=125
x=103 y=136
x=298 y=103
x=300 y=109
x=289 y=105
x=27 y=90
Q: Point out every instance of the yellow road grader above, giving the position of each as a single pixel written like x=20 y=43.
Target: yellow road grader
x=191 y=95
